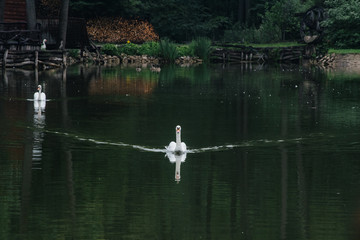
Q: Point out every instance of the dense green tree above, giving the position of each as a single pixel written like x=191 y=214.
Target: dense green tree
x=280 y=21
x=184 y=20
x=95 y=8
x=342 y=26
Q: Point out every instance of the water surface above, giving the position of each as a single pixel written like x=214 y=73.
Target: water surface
x=273 y=153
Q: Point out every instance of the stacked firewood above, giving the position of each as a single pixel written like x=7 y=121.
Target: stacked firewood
x=120 y=30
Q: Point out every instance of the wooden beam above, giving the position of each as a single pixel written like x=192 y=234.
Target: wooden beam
x=36 y=59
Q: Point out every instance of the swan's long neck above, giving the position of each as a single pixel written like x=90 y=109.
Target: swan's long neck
x=178 y=138
x=39 y=91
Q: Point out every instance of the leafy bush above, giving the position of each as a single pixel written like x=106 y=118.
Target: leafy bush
x=185 y=50
x=201 y=47
x=149 y=48
x=342 y=27
x=119 y=30
x=168 y=50
x=129 y=49
x=241 y=34
x=74 y=53
x=110 y=49
x=278 y=23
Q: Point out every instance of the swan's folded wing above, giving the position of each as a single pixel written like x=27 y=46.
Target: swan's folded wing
x=36 y=96
x=171 y=147
x=183 y=147
x=43 y=97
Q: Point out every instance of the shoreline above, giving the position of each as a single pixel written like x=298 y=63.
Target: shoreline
x=133 y=60
x=341 y=61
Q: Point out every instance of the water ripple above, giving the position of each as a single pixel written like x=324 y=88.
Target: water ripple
x=219 y=148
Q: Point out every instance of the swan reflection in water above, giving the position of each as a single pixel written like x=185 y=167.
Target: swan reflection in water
x=177 y=159
x=38 y=134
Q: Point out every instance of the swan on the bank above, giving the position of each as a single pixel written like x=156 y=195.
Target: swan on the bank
x=39 y=96
x=43 y=45
x=178 y=146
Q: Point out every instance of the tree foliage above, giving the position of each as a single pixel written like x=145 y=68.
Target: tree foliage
x=343 y=23
x=48 y=8
x=185 y=20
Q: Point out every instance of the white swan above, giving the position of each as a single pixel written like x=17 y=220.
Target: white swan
x=39 y=96
x=178 y=146
x=43 y=45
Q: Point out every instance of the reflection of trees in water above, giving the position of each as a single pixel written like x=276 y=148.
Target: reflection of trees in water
x=34 y=160
x=261 y=195
x=121 y=86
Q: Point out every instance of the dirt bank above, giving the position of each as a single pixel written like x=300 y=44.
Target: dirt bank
x=344 y=62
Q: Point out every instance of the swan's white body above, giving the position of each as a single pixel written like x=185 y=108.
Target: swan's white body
x=39 y=96
x=39 y=106
x=178 y=146
x=43 y=45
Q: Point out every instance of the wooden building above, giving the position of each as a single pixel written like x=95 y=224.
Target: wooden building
x=15 y=35
x=13 y=11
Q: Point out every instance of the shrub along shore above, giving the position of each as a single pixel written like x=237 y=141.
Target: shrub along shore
x=153 y=53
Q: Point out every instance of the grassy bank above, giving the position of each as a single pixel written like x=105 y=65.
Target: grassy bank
x=344 y=51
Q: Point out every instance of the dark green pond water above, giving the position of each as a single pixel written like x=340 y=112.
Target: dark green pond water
x=273 y=154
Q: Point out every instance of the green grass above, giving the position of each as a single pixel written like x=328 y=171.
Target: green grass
x=168 y=50
x=344 y=51
x=280 y=44
x=201 y=48
x=268 y=45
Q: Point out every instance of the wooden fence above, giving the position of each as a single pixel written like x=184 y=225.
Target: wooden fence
x=241 y=53
x=48 y=58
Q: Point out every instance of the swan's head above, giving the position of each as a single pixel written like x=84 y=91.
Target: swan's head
x=44 y=41
x=39 y=88
x=178 y=129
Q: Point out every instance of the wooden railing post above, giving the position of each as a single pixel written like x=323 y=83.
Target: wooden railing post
x=5 y=57
x=64 y=58
x=36 y=62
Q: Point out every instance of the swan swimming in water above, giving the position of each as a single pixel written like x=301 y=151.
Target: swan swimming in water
x=39 y=96
x=178 y=146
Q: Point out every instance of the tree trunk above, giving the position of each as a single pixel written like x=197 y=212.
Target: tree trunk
x=30 y=14
x=241 y=11
x=246 y=13
x=63 y=23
